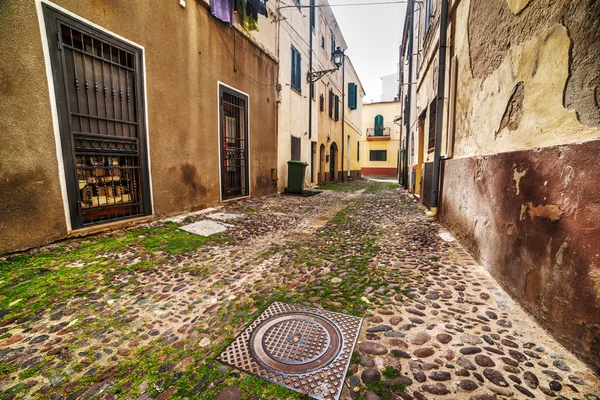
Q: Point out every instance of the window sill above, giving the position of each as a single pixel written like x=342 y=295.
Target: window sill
x=299 y=92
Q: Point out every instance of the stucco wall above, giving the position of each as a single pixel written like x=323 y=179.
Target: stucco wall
x=187 y=52
x=521 y=191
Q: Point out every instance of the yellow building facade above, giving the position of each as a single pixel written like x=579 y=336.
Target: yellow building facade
x=380 y=138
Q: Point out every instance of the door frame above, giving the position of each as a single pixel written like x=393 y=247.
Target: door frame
x=49 y=15
x=225 y=87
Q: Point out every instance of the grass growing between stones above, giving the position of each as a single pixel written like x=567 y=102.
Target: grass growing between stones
x=330 y=269
x=344 y=187
x=30 y=283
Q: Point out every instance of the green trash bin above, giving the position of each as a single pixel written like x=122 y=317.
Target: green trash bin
x=296 y=173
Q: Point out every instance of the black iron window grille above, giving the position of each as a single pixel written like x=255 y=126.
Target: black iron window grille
x=98 y=80
x=234 y=139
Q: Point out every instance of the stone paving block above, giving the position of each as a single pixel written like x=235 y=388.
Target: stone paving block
x=205 y=227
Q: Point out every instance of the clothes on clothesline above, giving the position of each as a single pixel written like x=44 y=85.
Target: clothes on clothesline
x=249 y=11
x=223 y=10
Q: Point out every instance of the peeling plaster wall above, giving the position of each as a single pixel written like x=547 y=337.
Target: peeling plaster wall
x=522 y=189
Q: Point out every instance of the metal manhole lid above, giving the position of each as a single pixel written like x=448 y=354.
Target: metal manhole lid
x=304 y=349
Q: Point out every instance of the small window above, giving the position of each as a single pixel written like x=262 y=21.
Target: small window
x=322 y=102
x=313 y=15
x=297 y=2
x=296 y=70
x=358 y=151
x=296 y=148
x=332 y=43
x=352 y=95
x=323 y=42
x=378 y=155
x=432 y=118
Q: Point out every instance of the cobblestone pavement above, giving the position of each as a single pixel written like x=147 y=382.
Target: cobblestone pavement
x=142 y=313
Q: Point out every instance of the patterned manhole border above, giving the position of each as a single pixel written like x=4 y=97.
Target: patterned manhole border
x=285 y=356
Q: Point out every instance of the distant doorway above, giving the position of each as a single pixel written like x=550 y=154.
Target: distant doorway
x=322 y=163
x=313 y=155
x=333 y=162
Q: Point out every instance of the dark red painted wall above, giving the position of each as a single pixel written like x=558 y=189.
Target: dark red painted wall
x=542 y=240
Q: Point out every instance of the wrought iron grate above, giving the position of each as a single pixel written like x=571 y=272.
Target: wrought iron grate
x=304 y=349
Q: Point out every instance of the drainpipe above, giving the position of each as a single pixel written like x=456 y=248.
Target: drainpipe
x=409 y=51
x=343 y=110
x=310 y=69
x=435 y=190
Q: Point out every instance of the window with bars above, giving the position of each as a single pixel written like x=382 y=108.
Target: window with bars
x=234 y=143
x=296 y=148
x=101 y=122
x=378 y=155
x=432 y=118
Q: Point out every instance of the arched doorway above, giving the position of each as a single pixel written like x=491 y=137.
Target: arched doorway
x=322 y=164
x=333 y=150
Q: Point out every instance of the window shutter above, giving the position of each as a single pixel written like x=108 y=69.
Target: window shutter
x=296 y=70
x=331 y=100
x=337 y=108
x=352 y=95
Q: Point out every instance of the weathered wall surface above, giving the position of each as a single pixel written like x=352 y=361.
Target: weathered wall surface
x=522 y=190
x=529 y=79
x=29 y=188
x=534 y=218
x=187 y=52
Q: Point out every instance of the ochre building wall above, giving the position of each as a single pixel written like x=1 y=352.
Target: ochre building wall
x=522 y=190
x=187 y=52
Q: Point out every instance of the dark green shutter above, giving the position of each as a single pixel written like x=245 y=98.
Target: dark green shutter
x=352 y=95
x=296 y=70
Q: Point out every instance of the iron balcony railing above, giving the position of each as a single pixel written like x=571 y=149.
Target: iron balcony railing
x=376 y=132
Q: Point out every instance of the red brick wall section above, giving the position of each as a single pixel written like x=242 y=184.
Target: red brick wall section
x=533 y=219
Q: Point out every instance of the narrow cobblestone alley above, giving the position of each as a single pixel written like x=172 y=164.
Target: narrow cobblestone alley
x=142 y=313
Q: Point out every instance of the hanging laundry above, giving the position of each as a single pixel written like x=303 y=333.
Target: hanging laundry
x=249 y=16
x=222 y=9
x=263 y=8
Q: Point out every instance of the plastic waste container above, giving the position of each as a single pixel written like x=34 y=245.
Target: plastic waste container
x=296 y=173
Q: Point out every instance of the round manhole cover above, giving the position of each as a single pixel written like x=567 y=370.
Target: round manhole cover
x=295 y=343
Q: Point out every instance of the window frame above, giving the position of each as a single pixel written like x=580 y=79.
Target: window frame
x=373 y=157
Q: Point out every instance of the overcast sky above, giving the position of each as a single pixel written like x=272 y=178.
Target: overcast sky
x=373 y=34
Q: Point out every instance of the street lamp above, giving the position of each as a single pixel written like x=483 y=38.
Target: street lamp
x=337 y=58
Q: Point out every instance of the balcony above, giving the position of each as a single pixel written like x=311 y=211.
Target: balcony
x=378 y=134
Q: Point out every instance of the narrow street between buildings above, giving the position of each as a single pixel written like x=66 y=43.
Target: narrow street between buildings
x=143 y=313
